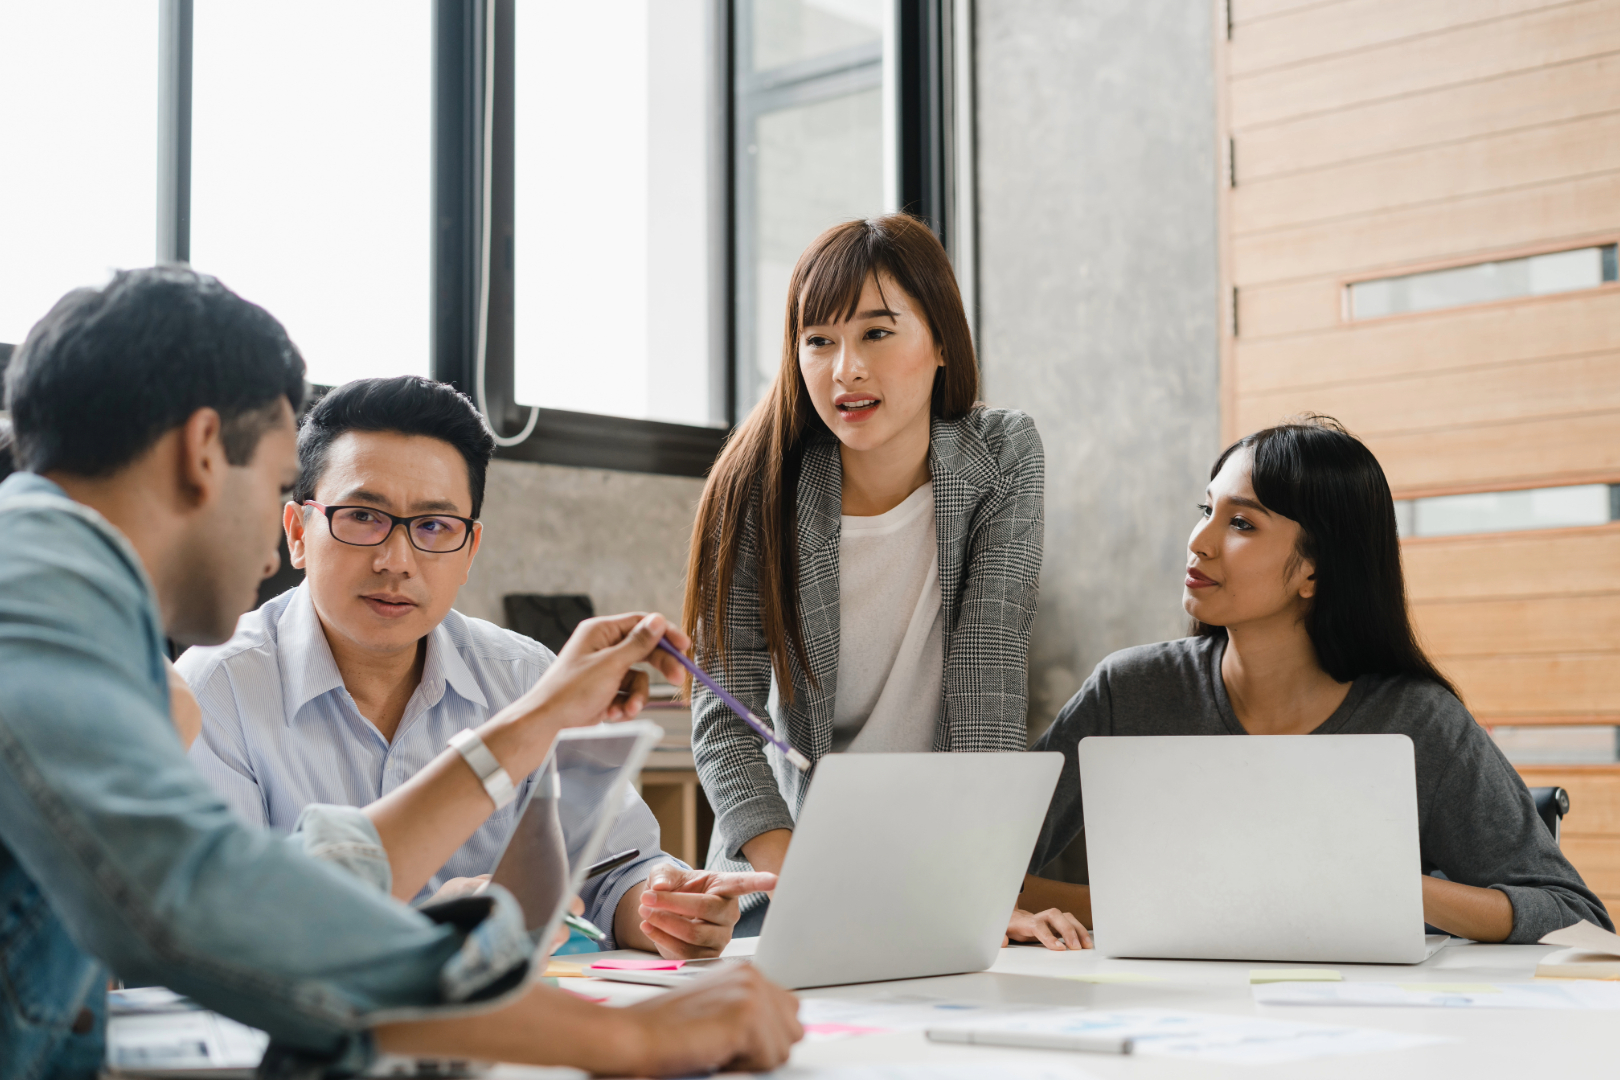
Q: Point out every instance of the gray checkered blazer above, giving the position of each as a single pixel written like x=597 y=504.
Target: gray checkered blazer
x=989 y=475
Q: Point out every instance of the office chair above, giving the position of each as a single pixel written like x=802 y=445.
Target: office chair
x=1552 y=803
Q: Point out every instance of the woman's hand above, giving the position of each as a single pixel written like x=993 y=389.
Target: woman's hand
x=734 y=1020
x=1057 y=930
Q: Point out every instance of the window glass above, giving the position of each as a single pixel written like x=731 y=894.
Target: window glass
x=815 y=134
x=1509 y=511
x=311 y=173
x=78 y=124
x=1536 y=275
x=791 y=31
x=612 y=227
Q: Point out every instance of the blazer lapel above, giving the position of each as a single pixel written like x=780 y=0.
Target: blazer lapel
x=957 y=490
x=819 y=505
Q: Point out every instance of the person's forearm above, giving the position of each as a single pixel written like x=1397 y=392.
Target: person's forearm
x=768 y=850
x=1041 y=893
x=544 y=1027
x=424 y=820
x=627 y=932
x=1467 y=910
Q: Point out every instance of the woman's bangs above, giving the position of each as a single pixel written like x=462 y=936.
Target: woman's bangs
x=833 y=284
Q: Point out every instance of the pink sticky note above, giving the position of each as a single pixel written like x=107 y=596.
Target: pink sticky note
x=839 y=1031
x=638 y=965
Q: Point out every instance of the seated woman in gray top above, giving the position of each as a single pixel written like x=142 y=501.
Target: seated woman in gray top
x=1300 y=627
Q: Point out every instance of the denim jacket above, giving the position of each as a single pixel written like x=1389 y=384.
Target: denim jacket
x=117 y=857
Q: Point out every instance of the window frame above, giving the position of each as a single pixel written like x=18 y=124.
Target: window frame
x=933 y=176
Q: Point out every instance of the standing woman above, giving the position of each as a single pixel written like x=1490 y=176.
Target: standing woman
x=867 y=551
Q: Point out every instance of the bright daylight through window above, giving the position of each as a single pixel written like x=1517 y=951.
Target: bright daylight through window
x=816 y=136
x=614 y=233
x=78 y=192
x=311 y=173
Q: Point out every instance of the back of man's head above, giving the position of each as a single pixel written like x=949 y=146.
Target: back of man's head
x=406 y=404
x=108 y=371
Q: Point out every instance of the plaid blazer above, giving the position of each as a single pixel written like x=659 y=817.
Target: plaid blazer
x=989 y=476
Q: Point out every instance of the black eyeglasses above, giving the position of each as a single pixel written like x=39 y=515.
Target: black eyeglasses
x=365 y=526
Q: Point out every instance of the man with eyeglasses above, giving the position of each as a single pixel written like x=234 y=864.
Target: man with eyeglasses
x=155 y=432
x=340 y=690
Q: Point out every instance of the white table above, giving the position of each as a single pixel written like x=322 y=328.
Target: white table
x=1532 y=1044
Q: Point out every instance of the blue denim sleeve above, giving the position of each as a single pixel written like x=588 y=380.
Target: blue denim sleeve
x=143 y=864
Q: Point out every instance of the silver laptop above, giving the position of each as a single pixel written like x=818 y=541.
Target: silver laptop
x=902 y=866
x=1257 y=847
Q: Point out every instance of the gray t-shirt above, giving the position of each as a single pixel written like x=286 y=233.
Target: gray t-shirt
x=1476 y=821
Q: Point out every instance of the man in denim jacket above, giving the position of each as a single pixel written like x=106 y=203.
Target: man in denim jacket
x=155 y=417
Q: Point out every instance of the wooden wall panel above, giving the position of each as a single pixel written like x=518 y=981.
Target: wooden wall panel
x=1550 y=562
x=1569 y=212
x=1559 y=450
x=1540 y=687
x=1247 y=11
x=1528 y=627
x=1431 y=175
x=1447 y=115
x=1500 y=394
x=1325 y=30
x=1538 y=39
x=1571 y=324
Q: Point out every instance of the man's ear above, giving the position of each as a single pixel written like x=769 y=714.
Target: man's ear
x=202 y=463
x=292 y=520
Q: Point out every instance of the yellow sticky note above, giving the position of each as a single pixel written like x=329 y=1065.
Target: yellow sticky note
x=559 y=970
x=1273 y=975
x=1114 y=977
x=1451 y=988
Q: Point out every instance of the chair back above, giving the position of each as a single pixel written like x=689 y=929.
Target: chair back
x=1552 y=803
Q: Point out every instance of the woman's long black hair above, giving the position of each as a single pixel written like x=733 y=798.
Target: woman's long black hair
x=1314 y=472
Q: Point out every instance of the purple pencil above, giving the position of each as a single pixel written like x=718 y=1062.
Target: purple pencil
x=799 y=761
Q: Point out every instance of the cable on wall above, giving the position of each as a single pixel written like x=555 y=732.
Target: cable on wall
x=487 y=214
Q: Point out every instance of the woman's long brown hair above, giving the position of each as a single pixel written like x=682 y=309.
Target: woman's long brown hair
x=760 y=462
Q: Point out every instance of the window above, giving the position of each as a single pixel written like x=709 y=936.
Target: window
x=817 y=144
x=614 y=259
x=1509 y=511
x=78 y=192
x=1535 y=275
x=311 y=154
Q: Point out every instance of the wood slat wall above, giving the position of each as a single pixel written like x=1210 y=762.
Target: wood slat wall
x=1370 y=138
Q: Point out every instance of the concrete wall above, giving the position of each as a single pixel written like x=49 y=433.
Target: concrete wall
x=618 y=537
x=1098 y=301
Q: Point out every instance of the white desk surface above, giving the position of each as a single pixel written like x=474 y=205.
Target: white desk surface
x=1559 y=1044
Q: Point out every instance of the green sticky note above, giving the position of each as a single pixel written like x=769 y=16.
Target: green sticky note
x=1115 y=977
x=1451 y=988
x=1274 y=975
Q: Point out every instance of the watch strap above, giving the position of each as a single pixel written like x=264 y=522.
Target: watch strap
x=495 y=779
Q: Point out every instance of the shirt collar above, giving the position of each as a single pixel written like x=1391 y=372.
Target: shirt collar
x=444 y=666
x=308 y=669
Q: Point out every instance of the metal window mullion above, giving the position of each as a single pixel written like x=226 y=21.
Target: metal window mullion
x=175 y=21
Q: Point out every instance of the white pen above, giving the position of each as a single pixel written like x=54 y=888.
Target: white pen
x=1034 y=1040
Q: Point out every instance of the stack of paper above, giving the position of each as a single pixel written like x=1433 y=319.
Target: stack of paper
x=1593 y=953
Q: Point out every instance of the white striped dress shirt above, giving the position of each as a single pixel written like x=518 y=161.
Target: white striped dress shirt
x=280 y=731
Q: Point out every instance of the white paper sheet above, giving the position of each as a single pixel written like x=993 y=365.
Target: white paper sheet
x=1158 y=1032
x=1235 y=1040
x=1586 y=936
x=1540 y=995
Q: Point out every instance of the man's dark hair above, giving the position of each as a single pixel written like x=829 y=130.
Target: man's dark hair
x=8 y=465
x=406 y=404
x=108 y=371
